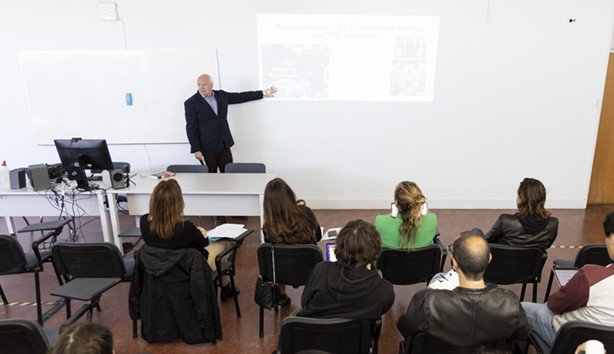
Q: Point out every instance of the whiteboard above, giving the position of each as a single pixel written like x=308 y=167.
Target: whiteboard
x=83 y=93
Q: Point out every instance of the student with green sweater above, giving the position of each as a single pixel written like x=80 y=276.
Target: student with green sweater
x=412 y=227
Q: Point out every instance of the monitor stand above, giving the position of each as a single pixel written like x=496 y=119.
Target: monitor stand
x=78 y=174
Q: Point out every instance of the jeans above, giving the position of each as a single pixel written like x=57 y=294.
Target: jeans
x=540 y=317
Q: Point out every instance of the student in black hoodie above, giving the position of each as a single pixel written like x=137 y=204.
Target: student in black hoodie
x=351 y=287
x=532 y=225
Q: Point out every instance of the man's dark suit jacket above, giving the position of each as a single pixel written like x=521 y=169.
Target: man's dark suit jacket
x=209 y=133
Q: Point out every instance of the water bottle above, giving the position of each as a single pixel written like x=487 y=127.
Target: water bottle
x=4 y=174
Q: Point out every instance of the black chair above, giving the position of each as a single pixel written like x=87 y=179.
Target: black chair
x=13 y=260
x=227 y=268
x=89 y=269
x=293 y=265
x=329 y=335
x=403 y=267
x=245 y=167
x=133 y=232
x=588 y=254
x=174 y=299
x=573 y=333
x=23 y=336
x=188 y=168
x=424 y=343
x=515 y=265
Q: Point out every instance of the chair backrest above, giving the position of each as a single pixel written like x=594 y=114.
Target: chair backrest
x=403 y=267
x=424 y=343
x=592 y=254
x=293 y=263
x=330 y=335
x=20 y=335
x=188 y=168
x=571 y=334
x=88 y=260
x=245 y=167
x=12 y=258
x=513 y=265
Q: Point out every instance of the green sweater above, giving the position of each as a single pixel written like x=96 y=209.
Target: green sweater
x=388 y=228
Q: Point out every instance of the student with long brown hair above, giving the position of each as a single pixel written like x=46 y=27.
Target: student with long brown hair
x=532 y=225
x=411 y=227
x=165 y=226
x=287 y=220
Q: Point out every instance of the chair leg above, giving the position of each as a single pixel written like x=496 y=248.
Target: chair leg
x=524 y=288
x=234 y=294
x=549 y=285
x=261 y=322
x=37 y=286
x=68 y=310
x=535 y=290
x=6 y=302
x=135 y=331
x=57 y=274
x=376 y=329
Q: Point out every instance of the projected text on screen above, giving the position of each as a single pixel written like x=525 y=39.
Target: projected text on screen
x=343 y=57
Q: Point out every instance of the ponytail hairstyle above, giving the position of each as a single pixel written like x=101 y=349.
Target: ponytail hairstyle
x=409 y=200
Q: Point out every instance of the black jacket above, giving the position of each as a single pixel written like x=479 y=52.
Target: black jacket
x=207 y=132
x=356 y=293
x=173 y=294
x=466 y=317
x=512 y=230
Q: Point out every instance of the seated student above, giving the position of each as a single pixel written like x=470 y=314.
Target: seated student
x=471 y=315
x=586 y=297
x=84 y=337
x=287 y=220
x=410 y=228
x=532 y=225
x=165 y=226
x=351 y=287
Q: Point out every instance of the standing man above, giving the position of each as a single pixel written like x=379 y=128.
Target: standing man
x=207 y=123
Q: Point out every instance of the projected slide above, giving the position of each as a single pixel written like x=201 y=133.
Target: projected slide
x=338 y=57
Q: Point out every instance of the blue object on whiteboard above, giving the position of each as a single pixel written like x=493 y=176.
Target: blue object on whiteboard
x=128 y=99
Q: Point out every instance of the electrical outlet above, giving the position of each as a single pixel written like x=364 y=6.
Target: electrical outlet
x=107 y=11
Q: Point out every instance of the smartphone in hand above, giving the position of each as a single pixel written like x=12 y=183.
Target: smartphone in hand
x=393 y=210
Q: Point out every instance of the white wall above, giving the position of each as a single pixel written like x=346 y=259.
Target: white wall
x=518 y=93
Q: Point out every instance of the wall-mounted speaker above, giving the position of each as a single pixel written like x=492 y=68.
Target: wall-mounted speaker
x=118 y=179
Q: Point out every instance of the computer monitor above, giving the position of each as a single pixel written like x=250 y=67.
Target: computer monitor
x=78 y=154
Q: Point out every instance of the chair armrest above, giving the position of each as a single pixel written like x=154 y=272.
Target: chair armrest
x=444 y=253
x=232 y=247
x=36 y=243
x=55 y=228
